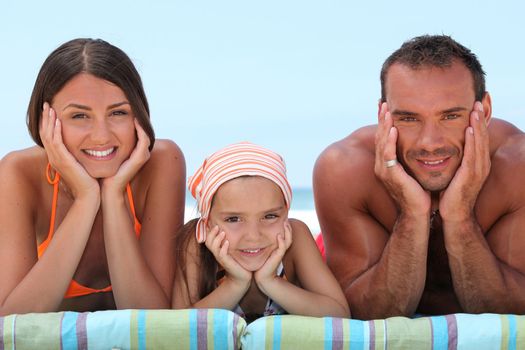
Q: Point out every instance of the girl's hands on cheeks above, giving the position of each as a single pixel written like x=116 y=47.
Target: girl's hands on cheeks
x=217 y=243
x=75 y=176
x=130 y=167
x=267 y=273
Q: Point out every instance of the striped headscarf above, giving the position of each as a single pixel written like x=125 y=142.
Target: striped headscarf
x=239 y=159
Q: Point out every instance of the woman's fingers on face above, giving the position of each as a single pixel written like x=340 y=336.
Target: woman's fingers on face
x=57 y=132
x=143 y=139
x=47 y=124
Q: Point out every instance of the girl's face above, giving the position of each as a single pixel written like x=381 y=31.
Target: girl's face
x=252 y=212
x=97 y=123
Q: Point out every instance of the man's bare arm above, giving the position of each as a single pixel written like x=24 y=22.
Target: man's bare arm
x=382 y=273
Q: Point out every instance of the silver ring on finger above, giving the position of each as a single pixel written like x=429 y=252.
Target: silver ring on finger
x=391 y=163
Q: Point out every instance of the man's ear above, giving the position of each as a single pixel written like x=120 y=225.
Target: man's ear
x=486 y=101
x=379 y=103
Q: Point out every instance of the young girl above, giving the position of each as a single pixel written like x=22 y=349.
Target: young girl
x=255 y=261
x=87 y=216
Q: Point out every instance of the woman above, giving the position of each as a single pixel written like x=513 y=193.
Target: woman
x=88 y=215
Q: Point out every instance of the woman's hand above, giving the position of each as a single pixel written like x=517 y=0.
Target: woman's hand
x=75 y=176
x=266 y=273
x=129 y=168
x=217 y=243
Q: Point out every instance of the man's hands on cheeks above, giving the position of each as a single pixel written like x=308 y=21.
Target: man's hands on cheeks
x=78 y=180
x=266 y=274
x=217 y=243
x=410 y=197
x=457 y=201
x=127 y=170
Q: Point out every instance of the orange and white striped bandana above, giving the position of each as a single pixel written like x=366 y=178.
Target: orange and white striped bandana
x=239 y=159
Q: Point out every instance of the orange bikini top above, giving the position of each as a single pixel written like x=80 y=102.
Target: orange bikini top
x=76 y=289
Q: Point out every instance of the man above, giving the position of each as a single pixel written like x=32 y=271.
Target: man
x=424 y=212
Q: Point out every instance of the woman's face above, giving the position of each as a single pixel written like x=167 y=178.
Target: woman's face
x=97 y=123
x=252 y=212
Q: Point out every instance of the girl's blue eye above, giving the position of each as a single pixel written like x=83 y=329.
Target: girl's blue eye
x=451 y=116
x=79 y=116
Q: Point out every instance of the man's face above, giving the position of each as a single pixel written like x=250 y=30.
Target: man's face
x=431 y=109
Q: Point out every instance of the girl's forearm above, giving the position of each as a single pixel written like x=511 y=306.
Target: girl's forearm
x=298 y=301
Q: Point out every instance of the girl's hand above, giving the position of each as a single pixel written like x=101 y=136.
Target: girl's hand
x=266 y=273
x=129 y=168
x=75 y=176
x=217 y=243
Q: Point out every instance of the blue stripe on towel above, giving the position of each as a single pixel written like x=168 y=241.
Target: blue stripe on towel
x=512 y=332
x=108 y=329
x=193 y=329
x=439 y=332
x=328 y=333
x=276 y=333
x=357 y=334
x=220 y=329
x=68 y=331
x=470 y=337
x=141 y=331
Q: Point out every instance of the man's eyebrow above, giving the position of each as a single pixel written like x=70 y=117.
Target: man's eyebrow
x=454 y=110
x=400 y=112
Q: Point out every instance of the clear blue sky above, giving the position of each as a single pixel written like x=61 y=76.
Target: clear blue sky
x=294 y=76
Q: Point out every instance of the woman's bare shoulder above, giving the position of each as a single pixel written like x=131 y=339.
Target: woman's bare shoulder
x=29 y=164
x=166 y=160
x=165 y=148
x=22 y=176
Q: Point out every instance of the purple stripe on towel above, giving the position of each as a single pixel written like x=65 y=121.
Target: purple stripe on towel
x=1 y=333
x=235 y=322
x=202 y=329
x=61 y=319
x=14 y=333
x=82 y=331
x=372 y=335
x=337 y=333
x=452 y=332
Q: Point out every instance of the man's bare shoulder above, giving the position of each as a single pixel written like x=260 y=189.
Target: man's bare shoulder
x=504 y=186
x=500 y=133
x=344 y=172
x=507 y=144
x=351 y=151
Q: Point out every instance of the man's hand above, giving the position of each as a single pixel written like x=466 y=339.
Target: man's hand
x=457 y=201
x=405 y=190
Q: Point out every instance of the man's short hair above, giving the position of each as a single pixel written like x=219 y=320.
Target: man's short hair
x=435 y=51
